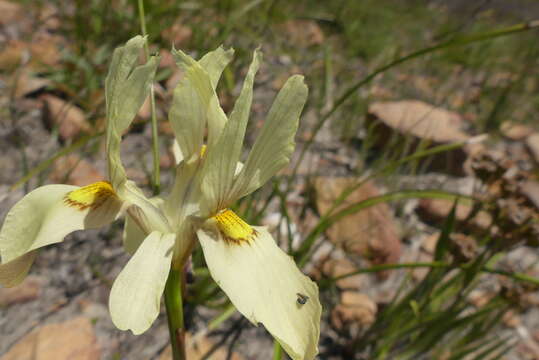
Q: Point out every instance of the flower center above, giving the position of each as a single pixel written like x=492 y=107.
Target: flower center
x=234 y=229
x=90 y=196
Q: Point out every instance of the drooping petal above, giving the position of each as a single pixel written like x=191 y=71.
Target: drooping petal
x=126 y=88
x=264 y=283
x=275 y=143
x=196 y=104
x=222 y=159
x=136 y=293
x=47 y=214
x=13 y=272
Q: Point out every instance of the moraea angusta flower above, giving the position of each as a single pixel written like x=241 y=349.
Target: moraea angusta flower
x=260 y=279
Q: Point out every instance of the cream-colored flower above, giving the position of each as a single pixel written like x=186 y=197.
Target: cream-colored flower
x=47 y=214
x=261 y=280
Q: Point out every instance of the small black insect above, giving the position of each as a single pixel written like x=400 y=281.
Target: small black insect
x=302 y=299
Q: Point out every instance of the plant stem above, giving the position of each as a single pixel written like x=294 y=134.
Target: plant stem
x=156 y=177
x=277 y=351
x=173 y=303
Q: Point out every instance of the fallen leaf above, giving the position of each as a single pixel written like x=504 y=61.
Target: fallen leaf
x=10 y=12
x=355 y=311
x=69 y=118
x=371 y=233
x=71 y=340
x=74 y=170
x=532 y=142
x=26 y=291
x=437 y=210
x=25 y=82
x=303 y=33
x=178 y=35
x=514 y=131
x=196 y=347
x=420 y=119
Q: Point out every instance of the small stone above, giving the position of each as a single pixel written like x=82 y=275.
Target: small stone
x=356 y=311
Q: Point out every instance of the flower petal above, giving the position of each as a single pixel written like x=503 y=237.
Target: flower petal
x=275 y=143
x=222 y=159
x=187 y=118
x=196 y=104
x=13 y=272
x=126 y=88
x=135 y=231
x=136 y=293
x=47 y=214
x=265 y=285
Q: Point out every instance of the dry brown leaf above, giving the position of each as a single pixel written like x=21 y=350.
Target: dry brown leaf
x=333 y=268
x=28 y=290
x=515 y=131
x=74 y=170
x=355 y=311
x=196 y=349
x=71 y=340
x=437 y=210
x=371 y=233
x=533 y=145
x=10 y=12
x=420 y=120
x=69 y=118
x=303 y=33
x=25 y=83
x=178 y=35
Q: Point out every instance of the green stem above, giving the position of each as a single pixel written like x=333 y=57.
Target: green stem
x=156 y=178
x=173 y=303
x=277 y=351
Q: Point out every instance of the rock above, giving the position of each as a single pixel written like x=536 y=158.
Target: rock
x=74 y=170
x=371 y=233
x=437 y=210
x=69 y=118
x=197 y=347
x=514 y=131
x=28 y=290
x=355 y=311
x=71 y=340
x=532 y=142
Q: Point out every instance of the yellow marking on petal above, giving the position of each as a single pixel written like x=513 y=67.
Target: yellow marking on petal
x=203 y=151
x=90 y=196
x=233 y=228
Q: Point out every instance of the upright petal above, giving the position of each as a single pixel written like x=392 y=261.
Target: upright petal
x=126 y=88
x=47 y=214
x=197 y=105
x=264 y=283
x=136 y=293
x=187 y=116
x=275 y=143
x=222 y=159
